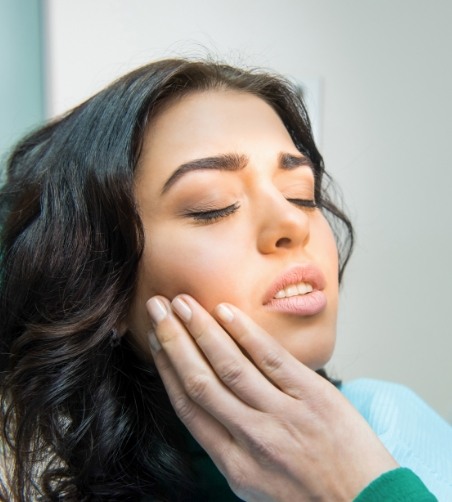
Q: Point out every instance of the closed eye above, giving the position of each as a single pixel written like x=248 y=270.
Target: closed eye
x=305 y=203
x=212 y=215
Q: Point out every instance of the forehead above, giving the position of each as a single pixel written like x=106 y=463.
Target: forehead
x=209 y=123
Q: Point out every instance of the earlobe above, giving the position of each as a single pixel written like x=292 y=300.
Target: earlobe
x=115 y=338
x=117 y=333
x=122 y=328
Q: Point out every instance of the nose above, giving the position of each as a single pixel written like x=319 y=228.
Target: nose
x=282 y=225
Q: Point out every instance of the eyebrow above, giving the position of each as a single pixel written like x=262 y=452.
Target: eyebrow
x=289 y=161
x=231 y=162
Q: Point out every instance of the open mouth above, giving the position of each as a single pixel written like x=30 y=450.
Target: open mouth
x=298 y=291
x=301 y=288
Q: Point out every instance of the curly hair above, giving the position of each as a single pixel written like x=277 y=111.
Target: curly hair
x=83 y=419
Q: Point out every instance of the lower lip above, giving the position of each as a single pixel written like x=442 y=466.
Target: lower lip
x=302 y=305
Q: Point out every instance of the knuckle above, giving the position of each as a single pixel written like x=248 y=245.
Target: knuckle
x=230 y=373
x=264 y=451
x=260 y=447
x=241 y=332
x=196 y=386
x=165 y=336
x=184 y=408
x=272 y=361
x=238 y=481
x=200 y=329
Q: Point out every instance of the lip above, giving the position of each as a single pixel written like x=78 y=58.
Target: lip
x=303 y=305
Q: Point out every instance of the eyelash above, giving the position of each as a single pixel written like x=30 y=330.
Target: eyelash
x=213 y=214
x=216 y=214
x=304 y=203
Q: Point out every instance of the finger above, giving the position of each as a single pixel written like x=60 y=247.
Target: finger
x=229 y=363
x=274 y=361
x=206 y=430
x=193 y=371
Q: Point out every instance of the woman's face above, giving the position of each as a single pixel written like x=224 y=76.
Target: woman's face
x=225 y=196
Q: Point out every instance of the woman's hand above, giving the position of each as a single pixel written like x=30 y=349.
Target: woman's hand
x=274 y=428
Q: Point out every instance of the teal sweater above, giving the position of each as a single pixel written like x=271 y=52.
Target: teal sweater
x=399 y=485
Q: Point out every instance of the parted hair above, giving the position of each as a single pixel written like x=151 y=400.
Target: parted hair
x=84 y=419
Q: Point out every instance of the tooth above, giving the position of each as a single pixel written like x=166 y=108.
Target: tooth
x=291 y=291
x=301 y=288
x=304 y=288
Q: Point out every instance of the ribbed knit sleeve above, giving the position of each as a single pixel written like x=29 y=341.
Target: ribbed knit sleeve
x=398 y=485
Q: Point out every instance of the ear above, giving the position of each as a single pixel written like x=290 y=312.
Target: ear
x=122 y=327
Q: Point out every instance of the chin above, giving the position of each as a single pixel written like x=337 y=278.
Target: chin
x=316 y=354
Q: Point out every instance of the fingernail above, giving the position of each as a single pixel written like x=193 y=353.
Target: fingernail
x=224 y=313
x=153 y=342
x=182 y=309
x=157 y=310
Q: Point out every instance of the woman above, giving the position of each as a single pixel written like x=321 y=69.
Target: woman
x=194 y=178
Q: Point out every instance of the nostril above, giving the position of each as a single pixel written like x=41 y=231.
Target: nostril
x=283 y=242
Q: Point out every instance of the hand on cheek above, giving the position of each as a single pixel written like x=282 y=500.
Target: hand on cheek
x=275 y=429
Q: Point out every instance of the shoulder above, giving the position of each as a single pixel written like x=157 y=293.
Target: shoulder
x=386 y=404
x=377 y=400
x=416 y=436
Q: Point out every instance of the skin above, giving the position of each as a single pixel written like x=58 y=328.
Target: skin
x=277 y=430
x=235 y=258
x=239 y=375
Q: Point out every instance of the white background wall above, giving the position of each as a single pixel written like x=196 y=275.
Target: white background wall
x=385 y=68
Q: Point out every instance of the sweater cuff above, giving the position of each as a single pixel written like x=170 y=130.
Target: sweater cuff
x=398 y=485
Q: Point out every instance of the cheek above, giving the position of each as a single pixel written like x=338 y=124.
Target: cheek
x=179 y=263
x=324 y=248
x=188 y=261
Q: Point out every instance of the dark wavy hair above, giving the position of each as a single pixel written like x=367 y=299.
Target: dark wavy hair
x=83 y=419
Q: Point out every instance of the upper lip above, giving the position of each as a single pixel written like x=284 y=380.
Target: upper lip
x=308 y=273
